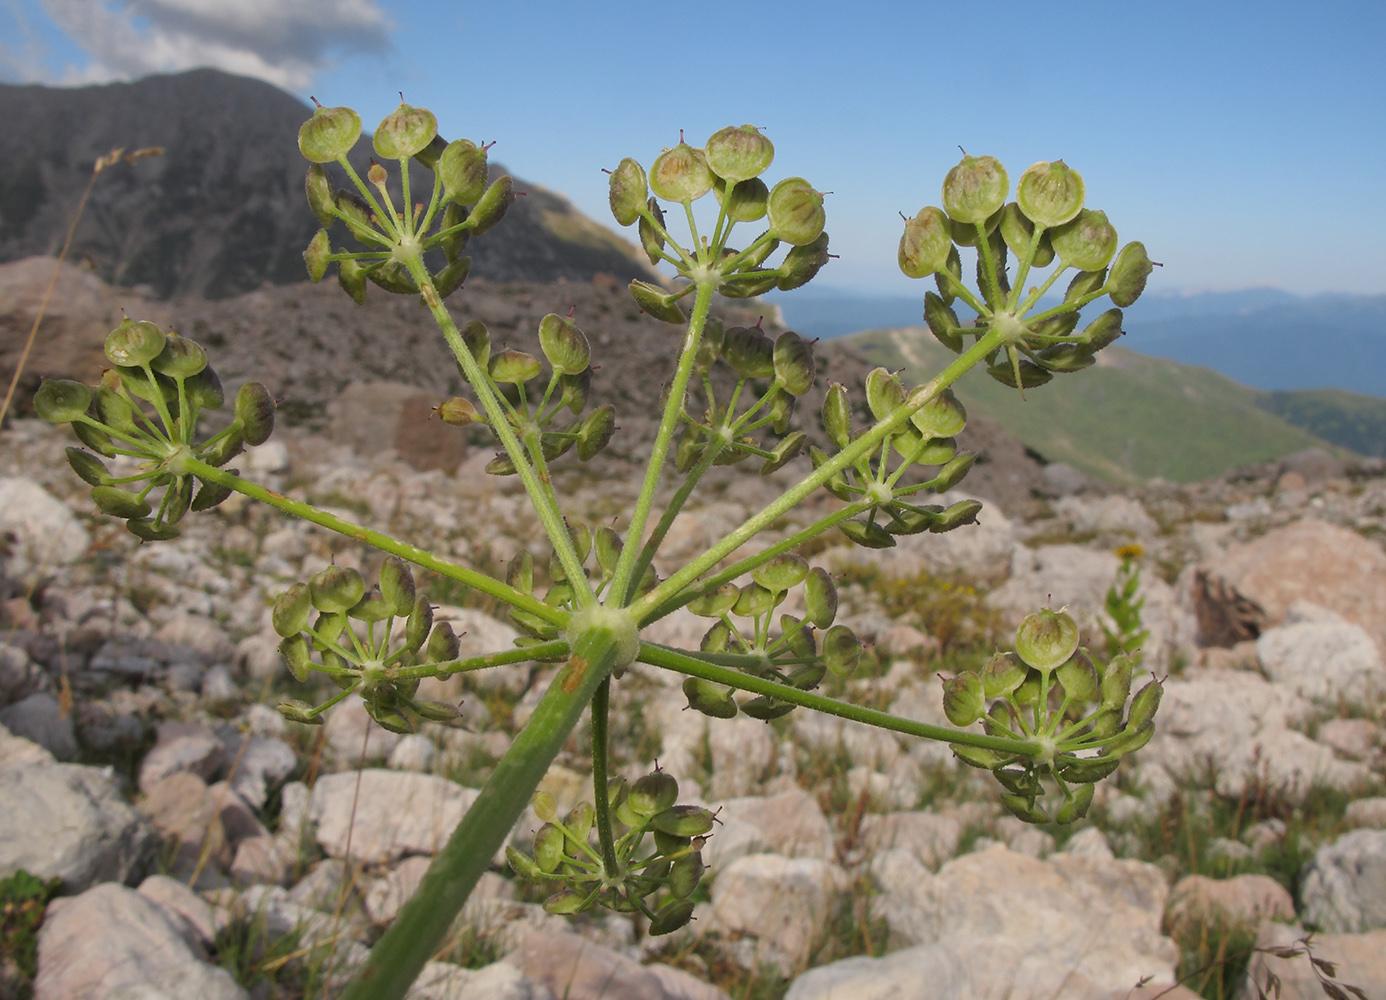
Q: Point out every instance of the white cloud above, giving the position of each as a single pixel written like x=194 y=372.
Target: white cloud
x=283 y=41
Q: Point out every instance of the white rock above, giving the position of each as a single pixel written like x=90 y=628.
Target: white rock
x=742 y=750
x=1069 y=575
x=1115 y=514
x=69 y=821
x=176 y=898
x=789 y=824
x=112 y=943
x=971 y=967
x=45 y=531
x=783 y=903
x=1369 y=813
x=1237 y=726
x=351 y=735
x=497 y=981
x=1090 y=842
x=414 y=752
x=1331 y=663
x=1344 y=887
x=932 y=838
x=1097 y=918
x=397 y=813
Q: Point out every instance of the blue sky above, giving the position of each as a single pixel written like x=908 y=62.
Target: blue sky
x=1244 y=143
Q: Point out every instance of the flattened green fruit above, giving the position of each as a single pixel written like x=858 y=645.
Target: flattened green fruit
x=925 y=244
x=1087 y=243
x=1046 y=639
x=134 y=343
x=61 y=400
x=1050 y=194
x=403 y=132
x=683 y=821
x=330 y=133
x=463 y=169
x=681 y=174
x=975 y=189
x=336 y=589
x=796 y=212
x=738 y=153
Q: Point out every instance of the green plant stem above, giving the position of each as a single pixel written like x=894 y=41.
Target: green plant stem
x=685 y=490
x=863 y=445
x=417 y=556
x=601 y=706
x=549 y=515
x=684 y=663
x=522 y=654
x=623 y=578
x=421 y=925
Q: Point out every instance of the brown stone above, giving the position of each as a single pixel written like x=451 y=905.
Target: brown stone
x=1240 y=903
x=374 y=416
x=185 y=813
x=1251 y=587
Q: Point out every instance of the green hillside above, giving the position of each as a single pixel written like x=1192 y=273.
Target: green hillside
x=1347 y=419
x=1127 y=419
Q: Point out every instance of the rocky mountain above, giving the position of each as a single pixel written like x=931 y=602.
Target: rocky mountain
x=221 y=211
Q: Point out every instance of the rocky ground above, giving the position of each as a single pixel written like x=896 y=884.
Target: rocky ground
x=200 y=846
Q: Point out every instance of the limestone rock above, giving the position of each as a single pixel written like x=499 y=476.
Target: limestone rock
x=69 y=821
x=44 y=530
x=931 y=837
x=1077 y=577
x=182 y=747
x=1251 y=587
x=975 y=967
x=1359 y=960
x=574 y=968
x=1333 y=664
x=1344 y=886
x=1235 y=904
x=187 y=815
x=497 y=981
x=1238 y=726
x=111 y=943
x=789 y=824
x=1093 y=917
x=397 y=813
x=781 y=903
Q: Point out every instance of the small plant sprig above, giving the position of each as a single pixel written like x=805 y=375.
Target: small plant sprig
x=633 y=848
x=1124 y=603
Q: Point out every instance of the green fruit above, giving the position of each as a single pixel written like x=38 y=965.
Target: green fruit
x=820 y=597
x=926 y=243
x=681 y=174
x=404 y=132
x=1049 y=194
x=1087 y=243
x=1046 y=639
x=628 y=191
x=793 y=363
x=132 y=343
x=841 y=650
x=963 y=699
x=335 y=589
x=739 y=153
x=796 y=212
x=329 y=134
x=975 y=189
x=463 y=170
x=61 y=400
x=779 y=574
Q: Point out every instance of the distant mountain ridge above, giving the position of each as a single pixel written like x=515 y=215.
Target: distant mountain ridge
x=1128 y=419
x=1261 y=337
x=222 y=211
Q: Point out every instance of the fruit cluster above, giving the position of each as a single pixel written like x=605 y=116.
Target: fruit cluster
x=146 y=407
x=1073 y=707
x=358 y=643
x=656 y=861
